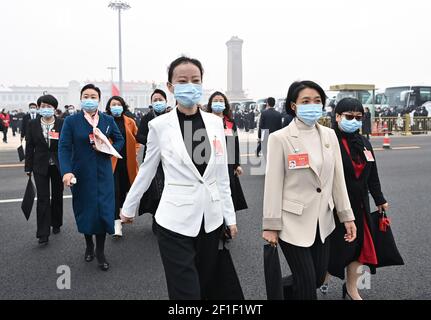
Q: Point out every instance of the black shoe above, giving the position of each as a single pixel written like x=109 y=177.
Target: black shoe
x=56 y=230
x=89 y=254
x=102 y=263
x=43 y=240
x=346 y=295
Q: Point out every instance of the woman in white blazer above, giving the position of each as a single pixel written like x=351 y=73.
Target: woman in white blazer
x=304 y=182
x=196 y=198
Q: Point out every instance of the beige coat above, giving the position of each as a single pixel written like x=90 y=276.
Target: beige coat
x=295 y=201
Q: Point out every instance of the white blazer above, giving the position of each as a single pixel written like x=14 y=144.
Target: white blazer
x=187 y=196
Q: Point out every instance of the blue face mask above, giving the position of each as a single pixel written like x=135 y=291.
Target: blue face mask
x=33 y=111
x=117 y=111
x=46 y=112
x=159 y=106
x=350 y=126
x=309 y=113
x=188 y=94
x=218 y=107
x=89 y=105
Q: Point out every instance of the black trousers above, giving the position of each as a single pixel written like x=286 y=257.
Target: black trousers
x=122 y=185
x=5 y=129
x=308 y=266
x=188 y=262
x=49 y=211
x=259 y=147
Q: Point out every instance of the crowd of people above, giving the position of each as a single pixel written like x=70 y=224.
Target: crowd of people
x=315 y=207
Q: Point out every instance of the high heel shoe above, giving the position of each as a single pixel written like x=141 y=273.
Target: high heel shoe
x=89 y=254
x=346 y=295
x=102 y=263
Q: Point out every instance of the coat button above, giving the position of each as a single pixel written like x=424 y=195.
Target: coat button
x=319 y=190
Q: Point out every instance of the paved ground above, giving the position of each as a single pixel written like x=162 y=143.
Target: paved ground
x=28 y=271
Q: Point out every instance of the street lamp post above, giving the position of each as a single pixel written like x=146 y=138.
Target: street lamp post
x=118 y=5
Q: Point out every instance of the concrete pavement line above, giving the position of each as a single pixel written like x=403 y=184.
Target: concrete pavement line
x=375 y=149
x=11 y=165
x=20 y=200
x=398 y=148
x=242 y=155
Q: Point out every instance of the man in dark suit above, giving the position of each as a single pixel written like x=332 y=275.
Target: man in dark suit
x=270 y=119
x=33 y=108
x=41 y=160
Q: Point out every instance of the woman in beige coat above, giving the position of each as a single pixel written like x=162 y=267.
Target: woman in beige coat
x=304 y=182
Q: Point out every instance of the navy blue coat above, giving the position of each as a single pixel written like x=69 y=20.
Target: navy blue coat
x=93 y=195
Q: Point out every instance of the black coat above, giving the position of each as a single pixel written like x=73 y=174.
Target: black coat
x=343 y=253
x=270 y=119
x=233 y=153
x=37 y=151
x=143 y=129
x=151 y=198
x=25 y=121
x=366 y=123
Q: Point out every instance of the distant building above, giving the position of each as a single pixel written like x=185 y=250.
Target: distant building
x=137 y=94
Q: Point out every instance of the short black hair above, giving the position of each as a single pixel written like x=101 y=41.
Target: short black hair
x=183 y=60
x=48 y=99
x=270 y=101
x=161 y=92
x=32 y=105
x=227 y=111
x=92 y=86
x=120 y=100
x=294 y=90
x=349 y=105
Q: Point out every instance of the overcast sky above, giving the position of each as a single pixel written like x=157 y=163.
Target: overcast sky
x=50 y=42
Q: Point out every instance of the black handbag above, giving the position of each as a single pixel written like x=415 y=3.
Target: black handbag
x=384 y=242
x=28 y=200
x=272 y=269
x=21 y=154
x=225 y=284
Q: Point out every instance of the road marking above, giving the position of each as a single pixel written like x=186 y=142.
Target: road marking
x=20 y=200
x=11 y=165
x=375 y=149
x=398 y=148
x=243 y=155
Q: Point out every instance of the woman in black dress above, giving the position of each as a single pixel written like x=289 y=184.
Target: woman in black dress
x=218 y=104
x=151 y=199
x=361 y=176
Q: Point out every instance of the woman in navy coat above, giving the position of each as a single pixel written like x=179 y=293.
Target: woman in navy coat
x=93 y=190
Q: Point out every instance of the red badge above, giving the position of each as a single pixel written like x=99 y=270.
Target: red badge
x=228 y=132
x=54 y=135
x=369 y=155
x=298 y=161
x=91 y=137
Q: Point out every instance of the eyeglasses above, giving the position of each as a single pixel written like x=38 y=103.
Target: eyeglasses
x=351 y=117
